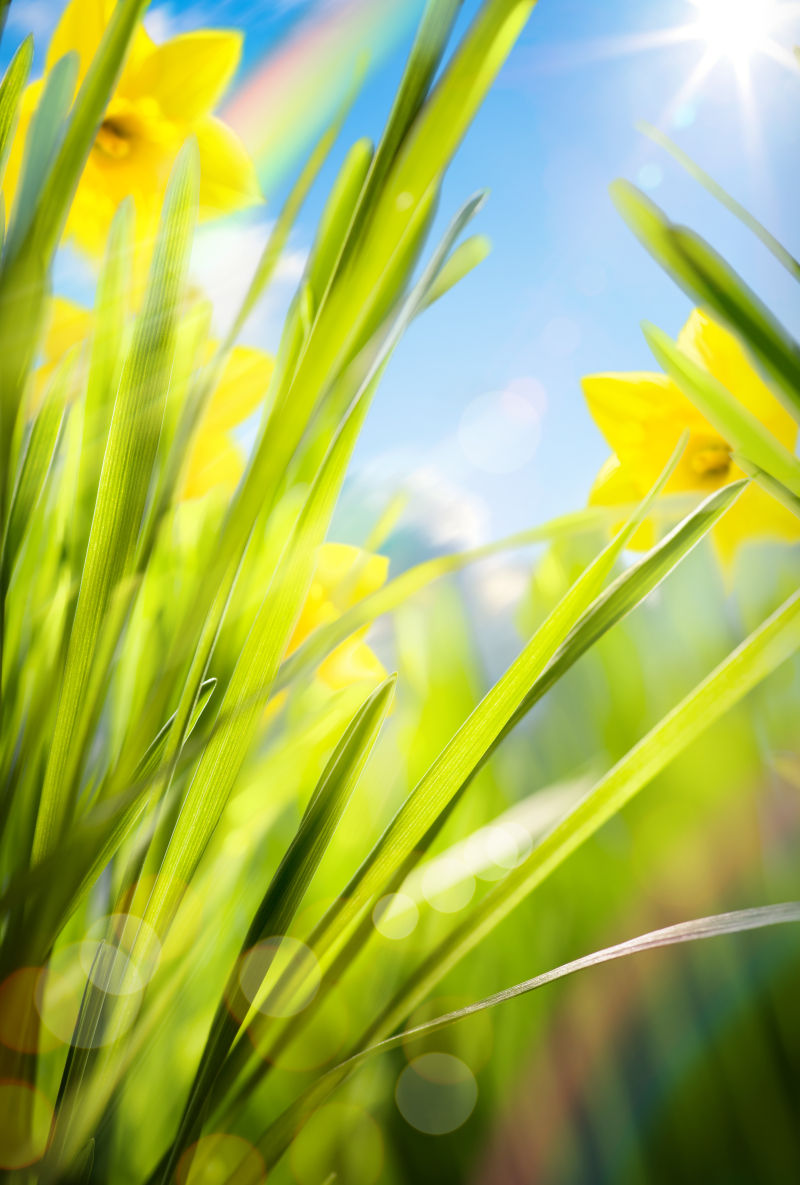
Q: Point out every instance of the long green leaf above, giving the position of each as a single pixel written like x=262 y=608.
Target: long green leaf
x=478 y=734
x=274 y=1143
x=41 y=145
x=772 y=644
x=11 y=89
x=628 y=591
x=762 y=653
x=121 y=498
x=280 y=903
x=735 y=422
x=707 y=278
x=784 y=257
x=260 y=660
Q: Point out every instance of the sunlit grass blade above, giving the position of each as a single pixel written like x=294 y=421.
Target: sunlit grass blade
x=734 y=422
x=249 y=687
x=61 y=880
x=344 y=929
x=280 y=902
x=41 y=145
x=121 y=498
x=628 y=591
x=784 y=257
x=336 y=218
x=775 y=641
x=38 y=453
x=715 y=927
x=105 y=365
x=763 y=652
x=719 y=925
x=707 y=278
x=470 y=744
x=240 y=704
x=405 y=586
x=769 y=483
x=424 y=60
x=11 y=89
x=466 y=257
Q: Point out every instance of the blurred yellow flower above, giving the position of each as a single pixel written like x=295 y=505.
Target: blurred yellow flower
x=68 y=325
x=165 y=94
x=216 y=460
x=642 y=417
x=343 y=576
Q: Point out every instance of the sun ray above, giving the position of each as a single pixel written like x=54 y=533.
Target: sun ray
x=707 y=63
x=781 y=55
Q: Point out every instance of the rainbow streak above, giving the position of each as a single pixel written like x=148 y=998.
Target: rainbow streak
x=287 y=99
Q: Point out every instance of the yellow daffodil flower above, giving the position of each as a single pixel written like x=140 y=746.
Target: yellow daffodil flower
x=165 y=94
x=343 y=576
x=68 y=325
x=642 y=417
x=216 y=460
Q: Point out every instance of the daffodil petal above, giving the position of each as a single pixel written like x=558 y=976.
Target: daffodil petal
x=80 y=29
x=316 y=611
x=188 y=75
x=755 y=515
x=227 y=178
x=241 y=389
x=633 y=411
x=348 y=573
x=720 y=353
x=615 y=486
x=352 y=662
x=215 y=463
x=68 y=324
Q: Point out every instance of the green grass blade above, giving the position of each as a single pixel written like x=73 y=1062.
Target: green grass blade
x=337 y=217
x=772 y=644
x=344 y=929
x=707 y=278
x=628 y=591
x=277 y=1139
x=249 y=504
x=423 y=62
x=11 y=89
x=769 y=483
x=42 y=143
x=250 y=684
x=466 y=257
x=121 y=498
x=734 y=422
x=38 y=453
x=736 y=922
x=282 y=899
x=105 y=366
x=405 y=586
x=784 y=257
x=476 y=736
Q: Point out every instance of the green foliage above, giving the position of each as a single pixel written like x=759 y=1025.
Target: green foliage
x=149 y=687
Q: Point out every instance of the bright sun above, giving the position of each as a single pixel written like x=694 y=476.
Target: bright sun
x=736 y=29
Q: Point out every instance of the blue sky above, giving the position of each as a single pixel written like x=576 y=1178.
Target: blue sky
x=566 y=286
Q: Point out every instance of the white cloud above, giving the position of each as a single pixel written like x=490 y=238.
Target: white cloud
x=224 y=261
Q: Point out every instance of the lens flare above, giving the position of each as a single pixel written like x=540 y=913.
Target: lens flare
x=737 y=29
